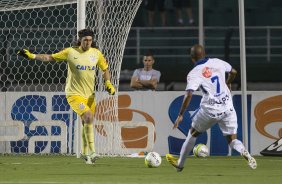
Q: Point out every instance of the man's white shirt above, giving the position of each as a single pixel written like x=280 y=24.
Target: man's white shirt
x=208 y=75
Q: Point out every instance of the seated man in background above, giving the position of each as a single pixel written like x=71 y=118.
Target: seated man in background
x=146 y=78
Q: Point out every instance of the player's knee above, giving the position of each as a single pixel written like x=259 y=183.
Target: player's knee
x=194 y=132
x=230 y=138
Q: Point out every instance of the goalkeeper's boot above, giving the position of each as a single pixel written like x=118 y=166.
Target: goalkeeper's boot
x=251 y=160
x=93 y=157
x=86 y=158
x=173 y=161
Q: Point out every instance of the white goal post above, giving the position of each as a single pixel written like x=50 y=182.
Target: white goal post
x=33 y=90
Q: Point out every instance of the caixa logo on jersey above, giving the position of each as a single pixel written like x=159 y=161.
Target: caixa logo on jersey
x=48 y=123
x=213 y=138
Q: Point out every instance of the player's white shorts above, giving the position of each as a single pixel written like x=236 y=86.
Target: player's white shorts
x=227 y=121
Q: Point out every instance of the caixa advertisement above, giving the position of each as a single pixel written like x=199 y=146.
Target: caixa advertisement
x=44 y=123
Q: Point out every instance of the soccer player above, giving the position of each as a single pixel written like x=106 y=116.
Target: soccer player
x=146 y=78
x=82 y=61
x=216 y=105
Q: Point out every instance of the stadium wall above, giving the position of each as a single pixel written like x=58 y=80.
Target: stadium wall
x=159 y=108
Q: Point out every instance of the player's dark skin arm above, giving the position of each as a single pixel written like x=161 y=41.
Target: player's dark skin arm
x=185 y=104
x=231 y=76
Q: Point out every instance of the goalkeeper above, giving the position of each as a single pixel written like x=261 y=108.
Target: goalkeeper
x=82 y=61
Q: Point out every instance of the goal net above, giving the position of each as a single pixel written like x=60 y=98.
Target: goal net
x=34 y=115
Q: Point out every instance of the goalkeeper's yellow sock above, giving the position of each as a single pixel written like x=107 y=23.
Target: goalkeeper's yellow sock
x=89 y=134
x=84 y=146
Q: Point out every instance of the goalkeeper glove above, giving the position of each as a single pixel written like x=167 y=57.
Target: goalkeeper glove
x=109 y=87
x=25 y=53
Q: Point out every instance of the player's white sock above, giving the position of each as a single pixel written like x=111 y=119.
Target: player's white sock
x=186 y=148
x=237 y=145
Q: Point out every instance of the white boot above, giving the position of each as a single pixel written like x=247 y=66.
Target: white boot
x=251 y=160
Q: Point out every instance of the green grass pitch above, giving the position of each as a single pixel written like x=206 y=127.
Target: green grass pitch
x=69 y=169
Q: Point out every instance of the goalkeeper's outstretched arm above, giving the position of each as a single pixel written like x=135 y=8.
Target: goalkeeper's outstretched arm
x=42 y=57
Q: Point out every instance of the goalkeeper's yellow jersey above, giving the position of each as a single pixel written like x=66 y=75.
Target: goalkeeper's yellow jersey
x=81 y=69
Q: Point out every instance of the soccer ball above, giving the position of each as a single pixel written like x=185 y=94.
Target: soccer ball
x=201 y=150
x=153 y=159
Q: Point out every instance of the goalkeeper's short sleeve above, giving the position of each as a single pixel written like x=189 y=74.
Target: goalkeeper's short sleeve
x=62 y=55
